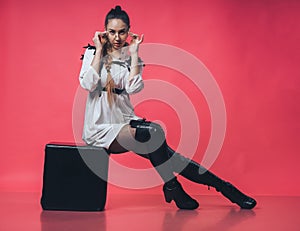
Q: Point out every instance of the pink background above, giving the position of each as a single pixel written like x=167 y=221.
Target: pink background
x=250 y=47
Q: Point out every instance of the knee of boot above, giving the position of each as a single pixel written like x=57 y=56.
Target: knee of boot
x=142 y=134
x=157 y=130
x=149 y=131
x=157 y=135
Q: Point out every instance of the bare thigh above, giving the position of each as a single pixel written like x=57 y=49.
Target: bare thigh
x=124 y=141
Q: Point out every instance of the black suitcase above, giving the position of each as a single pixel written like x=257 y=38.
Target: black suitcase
x=75 y=178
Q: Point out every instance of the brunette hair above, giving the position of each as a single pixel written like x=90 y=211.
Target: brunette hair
x=116 y=13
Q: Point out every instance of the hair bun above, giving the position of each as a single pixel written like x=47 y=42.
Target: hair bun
x=118 y=8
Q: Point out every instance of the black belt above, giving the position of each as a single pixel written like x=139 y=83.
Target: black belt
x=115 y=90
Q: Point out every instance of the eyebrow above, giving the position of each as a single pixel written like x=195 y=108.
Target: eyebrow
x=123 y=29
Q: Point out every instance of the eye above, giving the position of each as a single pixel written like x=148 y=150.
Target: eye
x=112 y=32
x=122 y=32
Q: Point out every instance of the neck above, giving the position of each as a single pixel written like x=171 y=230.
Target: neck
x=115 y=53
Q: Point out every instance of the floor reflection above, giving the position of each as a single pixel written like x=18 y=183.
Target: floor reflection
x=149 y=212
x=75 y=221
x=183 y=220
x=178 y=220
x=231 y=219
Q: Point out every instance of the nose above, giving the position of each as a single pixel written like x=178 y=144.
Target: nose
x=117 y=36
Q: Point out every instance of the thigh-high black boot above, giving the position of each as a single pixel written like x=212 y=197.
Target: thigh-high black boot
x=152 y=135
x=197 y=173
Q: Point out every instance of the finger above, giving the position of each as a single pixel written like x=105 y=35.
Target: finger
x=134 y=36
x=103 y=34
x=142 y=39
x=96 y=36
x=97 y=33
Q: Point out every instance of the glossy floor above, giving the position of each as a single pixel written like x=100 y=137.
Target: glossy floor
x=22 y=211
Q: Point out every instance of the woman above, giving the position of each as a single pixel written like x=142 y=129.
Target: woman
x=111 y=71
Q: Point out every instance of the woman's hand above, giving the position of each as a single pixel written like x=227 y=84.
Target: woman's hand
x=136 y=40
x=99 y=39
x=135 y=67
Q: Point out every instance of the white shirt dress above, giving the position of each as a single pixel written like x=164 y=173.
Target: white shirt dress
x=101 y=123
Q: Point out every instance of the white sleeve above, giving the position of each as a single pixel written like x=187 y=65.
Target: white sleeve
x=88 y=76
x=135 y=85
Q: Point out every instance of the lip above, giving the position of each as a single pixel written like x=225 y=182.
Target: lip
x=117 y=44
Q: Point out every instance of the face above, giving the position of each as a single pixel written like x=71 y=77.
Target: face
x=117 y=33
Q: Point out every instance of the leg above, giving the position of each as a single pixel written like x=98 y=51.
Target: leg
x=197 y=173
x=149 y=141
x=139 y=141
x=125 y=136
